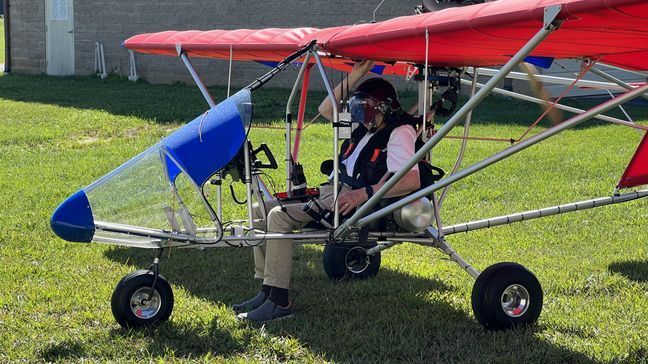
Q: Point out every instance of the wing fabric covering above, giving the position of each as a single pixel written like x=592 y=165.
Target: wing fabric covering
x=614 y=31
x=636 y=174
x=139 y=193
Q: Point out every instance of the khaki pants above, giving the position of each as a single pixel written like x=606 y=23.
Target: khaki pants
x=273 y=262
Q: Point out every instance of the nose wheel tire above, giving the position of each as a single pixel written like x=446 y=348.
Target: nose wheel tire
x=133 y=305
x=506 y=295
x=341 y=261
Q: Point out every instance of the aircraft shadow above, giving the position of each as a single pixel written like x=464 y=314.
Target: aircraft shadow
x=636 y=270
x=181 y=103
x=160 y=103
x=348 y=320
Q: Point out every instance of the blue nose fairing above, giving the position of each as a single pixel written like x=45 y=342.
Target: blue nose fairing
x=146 y=192
x=72 y=220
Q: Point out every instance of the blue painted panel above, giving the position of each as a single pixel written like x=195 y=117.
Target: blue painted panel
x=72 y=220
x=544 y=62
x=209 y=142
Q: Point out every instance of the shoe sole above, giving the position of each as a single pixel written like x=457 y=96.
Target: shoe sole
x=292 y=315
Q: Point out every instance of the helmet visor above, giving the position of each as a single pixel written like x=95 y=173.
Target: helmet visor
x=362 y=107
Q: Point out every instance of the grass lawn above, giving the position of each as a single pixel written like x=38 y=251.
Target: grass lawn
x=59 y=135
x=2 y=40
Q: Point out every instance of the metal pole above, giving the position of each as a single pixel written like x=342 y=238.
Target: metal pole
x=192 y=71
x=559 y=106
x=300 y=114
x=336 y=133
x=288 y=151
x=611 y=78
x=229 y=72
x=464 y=142
x=549 y=211
x=577 y=119
x=450 y=124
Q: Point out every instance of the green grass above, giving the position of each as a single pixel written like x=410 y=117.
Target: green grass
x=2 y=40
x=58 y=135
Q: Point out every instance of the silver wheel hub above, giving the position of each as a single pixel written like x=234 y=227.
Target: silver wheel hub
x=356 y=260
x=143 y=306
x=515 y=300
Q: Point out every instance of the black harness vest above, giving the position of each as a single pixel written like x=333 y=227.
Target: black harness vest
x=371 y=164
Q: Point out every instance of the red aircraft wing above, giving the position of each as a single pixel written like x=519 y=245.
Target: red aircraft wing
x=615 y=31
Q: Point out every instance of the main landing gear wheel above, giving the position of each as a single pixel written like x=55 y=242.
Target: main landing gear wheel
x=133 y=305
x=506 y=295
x=349 y=262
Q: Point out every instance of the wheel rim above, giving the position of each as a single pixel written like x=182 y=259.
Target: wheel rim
x=515 y=300
x=356 y=260
x=143 y=307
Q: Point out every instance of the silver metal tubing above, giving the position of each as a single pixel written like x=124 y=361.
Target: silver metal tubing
x=611 y=78
x=380 y=247
x=578 y=119
x=554 y=80
x=336 y=134
x=208 y=97
x=248 y=182
x=570 y=109
x=549 y=211
x=426 y=83
x=464 y=142
x=229 y=73
x=639 y=73
x=446 y=248
x=450 y=124
x=288 y=157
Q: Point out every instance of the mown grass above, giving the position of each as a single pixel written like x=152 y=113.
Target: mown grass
x=58 y=135
x=2 y=40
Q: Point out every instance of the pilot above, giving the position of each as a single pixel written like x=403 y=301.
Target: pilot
x=381 y=147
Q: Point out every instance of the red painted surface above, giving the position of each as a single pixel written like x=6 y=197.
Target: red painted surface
x=616 y=31
x=636 y=174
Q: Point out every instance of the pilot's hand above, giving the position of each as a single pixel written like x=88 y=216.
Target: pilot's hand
x=363 y=67
x=349 y=200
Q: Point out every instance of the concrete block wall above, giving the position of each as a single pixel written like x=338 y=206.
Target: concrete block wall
x=27 y=36
x=111 y=22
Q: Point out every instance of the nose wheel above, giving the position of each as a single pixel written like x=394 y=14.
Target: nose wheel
x=506 y=295
x=142 y=299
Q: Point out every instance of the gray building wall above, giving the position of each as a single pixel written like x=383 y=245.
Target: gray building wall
x=27 y=36
x=111 y=22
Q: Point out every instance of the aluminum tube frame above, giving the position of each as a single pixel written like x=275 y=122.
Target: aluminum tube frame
x=571 y=109
x=464 y=142
x=548 y=211
x=554 y=80
x=541 y=35
x=210 y=101
x=576 y=120
x=203 y=89
x=288 y=156
x=303 y=98
x=336 y=137
x=611 y=78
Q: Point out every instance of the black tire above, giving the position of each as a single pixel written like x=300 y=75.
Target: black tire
x=496 y=297
x=134 y=287
x=346 y=261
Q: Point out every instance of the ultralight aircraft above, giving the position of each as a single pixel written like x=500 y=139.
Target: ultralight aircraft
x=153 y=200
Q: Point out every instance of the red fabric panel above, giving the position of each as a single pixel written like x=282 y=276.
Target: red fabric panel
x=481 y=35
x=636 y=174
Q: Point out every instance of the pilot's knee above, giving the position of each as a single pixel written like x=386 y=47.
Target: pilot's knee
x=277 y=220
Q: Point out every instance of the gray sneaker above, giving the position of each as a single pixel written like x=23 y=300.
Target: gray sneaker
x=250 y=304
x=268 y=311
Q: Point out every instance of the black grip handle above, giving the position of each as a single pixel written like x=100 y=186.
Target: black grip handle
x=272 y=162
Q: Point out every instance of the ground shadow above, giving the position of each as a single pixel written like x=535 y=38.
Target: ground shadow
x=394 y=315
x=170 y=103
x=180 y=103
x=636 y=270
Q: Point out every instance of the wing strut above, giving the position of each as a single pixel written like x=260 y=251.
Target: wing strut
x=551 y=23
